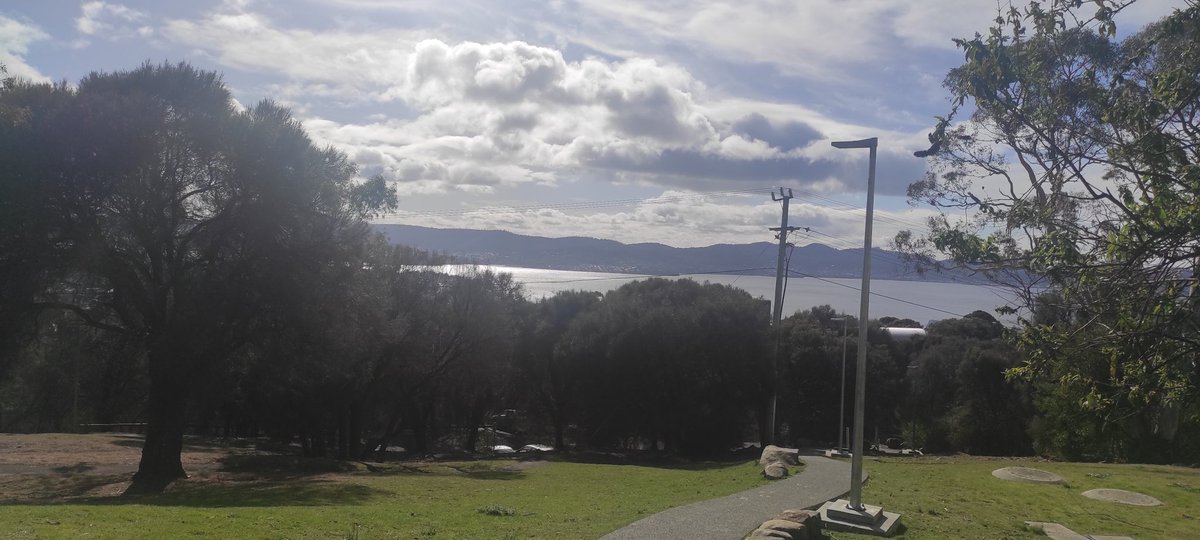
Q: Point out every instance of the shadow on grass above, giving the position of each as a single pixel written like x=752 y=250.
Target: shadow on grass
x=258 y=494
x=255 y=493
x=284 y=466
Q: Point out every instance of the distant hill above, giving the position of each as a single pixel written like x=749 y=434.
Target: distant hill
x=590 y=254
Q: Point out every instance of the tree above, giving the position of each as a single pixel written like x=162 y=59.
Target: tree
x=958 y=395
x=169 y=216
x=670 y=364
x=548 y=363
x=1080 y=165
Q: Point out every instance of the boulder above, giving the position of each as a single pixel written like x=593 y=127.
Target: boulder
x=809 y=518
x=773 y=454
x=796 y=530
x=768 y=533
x=775 y=471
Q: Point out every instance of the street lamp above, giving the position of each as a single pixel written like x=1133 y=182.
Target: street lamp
x=842 y=397
x=853 y=515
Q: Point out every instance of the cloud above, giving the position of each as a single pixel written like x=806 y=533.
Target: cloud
x=351 y=63
x=483 y=116
x=15 y=38
x=683 y=219
x=111 y=21
x=500 y=114
x=815 y=39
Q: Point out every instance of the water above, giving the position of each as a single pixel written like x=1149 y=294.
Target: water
x=922 y=301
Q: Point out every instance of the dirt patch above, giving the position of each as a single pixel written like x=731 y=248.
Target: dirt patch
x=68 y=466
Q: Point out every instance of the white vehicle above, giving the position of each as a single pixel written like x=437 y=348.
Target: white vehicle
x=536 y=448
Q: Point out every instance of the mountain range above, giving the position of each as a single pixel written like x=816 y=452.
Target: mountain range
x=504 y=248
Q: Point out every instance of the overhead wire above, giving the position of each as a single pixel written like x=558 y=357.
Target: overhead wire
x=873 y=293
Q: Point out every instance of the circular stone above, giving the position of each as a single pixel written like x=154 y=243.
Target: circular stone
x=1025 y=474
x=1121 y=496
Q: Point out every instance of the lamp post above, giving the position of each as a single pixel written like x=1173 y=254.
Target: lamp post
x=860 y=375
x=842 y=397
x=853 y=515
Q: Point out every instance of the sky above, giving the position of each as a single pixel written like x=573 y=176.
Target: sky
x=665 y=121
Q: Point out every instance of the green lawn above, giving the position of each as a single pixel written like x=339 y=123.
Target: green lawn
x=489 y=499
x=957 y=497
x=947 y=497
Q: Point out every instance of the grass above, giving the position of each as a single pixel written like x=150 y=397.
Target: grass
x=286 y=497
x=481 y=499
x=957 y=497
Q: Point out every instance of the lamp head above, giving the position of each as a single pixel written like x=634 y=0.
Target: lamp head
x=861 y=143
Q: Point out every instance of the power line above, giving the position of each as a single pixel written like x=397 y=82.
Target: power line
x=873 y=293
x=645 y=276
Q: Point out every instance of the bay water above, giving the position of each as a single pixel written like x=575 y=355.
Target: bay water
x=922 y=301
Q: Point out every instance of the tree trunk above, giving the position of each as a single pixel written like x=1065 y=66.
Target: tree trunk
x=558 y=434
x=161 y=463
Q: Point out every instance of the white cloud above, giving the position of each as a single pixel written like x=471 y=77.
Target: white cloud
x=111 y=21
x=683 y=219
x=15 y=38
x=351 y=63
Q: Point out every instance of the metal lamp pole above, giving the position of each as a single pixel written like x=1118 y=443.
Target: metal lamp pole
x=842 y=399
x=860 y=376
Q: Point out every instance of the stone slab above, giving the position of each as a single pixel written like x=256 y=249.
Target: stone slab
x=1058 y=531
x=1026 y=474
x=863 y=523
x=1132 y=498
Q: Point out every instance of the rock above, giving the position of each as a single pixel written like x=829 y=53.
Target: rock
x=768 y=533
x=773 y=454
x=808 y=518
x=775 y=471
x=797 y=531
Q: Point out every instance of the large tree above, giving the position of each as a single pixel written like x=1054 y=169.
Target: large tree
x=1079 y=168
x=162 y=212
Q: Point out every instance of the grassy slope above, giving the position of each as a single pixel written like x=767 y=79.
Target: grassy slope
x=553 y=500
x=958 y=498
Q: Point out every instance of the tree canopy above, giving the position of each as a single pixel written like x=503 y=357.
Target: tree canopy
x=1079 y=164
x=145 y=203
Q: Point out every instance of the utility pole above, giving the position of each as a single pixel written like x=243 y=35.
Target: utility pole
x=777 y=308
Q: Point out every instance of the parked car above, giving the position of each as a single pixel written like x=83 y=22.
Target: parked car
x=536 y=448
x=502 y=449
x=895 y=443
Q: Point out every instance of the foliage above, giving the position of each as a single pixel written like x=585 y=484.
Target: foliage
x=1079 y=164
x=671 y=364
x=145 y=204
x=958 y=397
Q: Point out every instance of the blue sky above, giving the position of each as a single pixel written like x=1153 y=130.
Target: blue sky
x=636 y=121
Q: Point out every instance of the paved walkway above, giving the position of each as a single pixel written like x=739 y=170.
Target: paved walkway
x=733 y=516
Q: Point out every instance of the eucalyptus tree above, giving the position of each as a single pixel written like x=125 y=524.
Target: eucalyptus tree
x=1079 y=169
x=167 y=214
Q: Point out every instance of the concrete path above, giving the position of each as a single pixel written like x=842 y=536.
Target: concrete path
x=733 y=516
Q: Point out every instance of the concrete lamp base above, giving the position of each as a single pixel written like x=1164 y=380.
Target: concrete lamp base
x=838 y=516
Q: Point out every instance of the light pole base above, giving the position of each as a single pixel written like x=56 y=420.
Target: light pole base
x=839 y=516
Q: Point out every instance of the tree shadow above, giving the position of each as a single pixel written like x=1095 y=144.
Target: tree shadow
x=310 y=492
x=471 y=469
x=656 y=460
